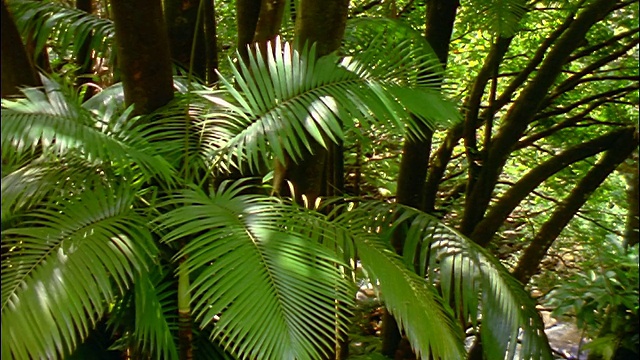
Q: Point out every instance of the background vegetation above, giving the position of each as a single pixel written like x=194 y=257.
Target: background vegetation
x=200 y=179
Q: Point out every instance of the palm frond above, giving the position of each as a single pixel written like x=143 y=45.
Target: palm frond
x=393 y=52
x=502 y=16
x=55 y=122
x=63 y=265
x=32 y=184
x=156 y=316
x=421 y=319
x=268 y=292
x=470 y=278
x=66 y=27
x=426 y=318
x=290 y=99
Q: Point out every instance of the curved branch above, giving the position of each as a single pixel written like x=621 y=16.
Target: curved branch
x=611 y=41
x=498 y=213
x=530 y=260
x=522 y=112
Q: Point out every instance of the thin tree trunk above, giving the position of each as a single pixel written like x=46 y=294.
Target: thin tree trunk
x=17 y=68
x=533 y=255
x=440 y=17
x=210 y=42
x=84 y=60
x=631 y=233
x=185 y=24
x=247 y=14
x=143 y=50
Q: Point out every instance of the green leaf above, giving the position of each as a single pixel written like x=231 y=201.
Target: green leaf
x=62 y=267
x=270 y=292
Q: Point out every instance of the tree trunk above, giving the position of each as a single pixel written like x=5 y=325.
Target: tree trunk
x=440 y=17
x=533 y=255
x=247 y=13
x=143 y=50
x=145 y=66
x=321 y=23
x=192 y=36
x=17 y=68
x=185 y=24
x=631 y=233
x=210 y=42
x=269 y=23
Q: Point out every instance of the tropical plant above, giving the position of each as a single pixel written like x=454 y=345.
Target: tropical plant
x=604 y=301
x=116 y=218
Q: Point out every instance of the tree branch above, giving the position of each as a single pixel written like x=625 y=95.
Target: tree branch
x=524 y=109
x=533 y=255
x=499 y=212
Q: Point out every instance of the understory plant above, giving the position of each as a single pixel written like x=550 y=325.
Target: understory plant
x=120 y=227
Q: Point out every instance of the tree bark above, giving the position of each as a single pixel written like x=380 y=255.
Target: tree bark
x=247 y=13
x=440 y=16
x=185 y=24
x=535 y=252
x=269 y=23
x=17 y=68
x=524 y=109
x=143 y=50
x=499 y=212
x=210 y=42
x=145 y=66
x=192 y=36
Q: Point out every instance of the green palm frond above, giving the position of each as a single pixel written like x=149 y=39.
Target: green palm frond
x=156 y=316
x=177 y=133
x=62 y=266
x=393 y=52
x=32 y=184
x=289 y=100
x=427 y=320
x=503 y=16
x=54 y=121
x=67 y=27
x=470 y=278
x=268 y=292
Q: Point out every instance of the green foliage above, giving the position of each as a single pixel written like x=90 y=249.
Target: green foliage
x=290 y=256
x=469 y=277
x=295 y=279
x=68 y=29
x=289 y=100
x=62 y=266
x=604 y=299
x=102 y=209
